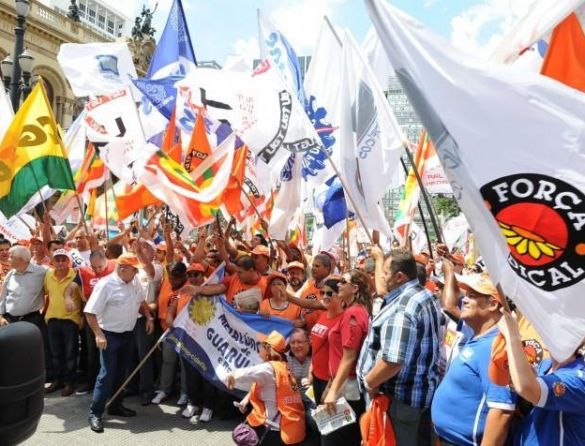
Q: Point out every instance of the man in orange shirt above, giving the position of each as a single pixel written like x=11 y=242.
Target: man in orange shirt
x=311 y=297
x=246 y=277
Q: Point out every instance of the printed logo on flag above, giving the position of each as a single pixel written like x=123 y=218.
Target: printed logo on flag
x=542 y=219
x=314 y=160
x=108 y=64
x=201 y=311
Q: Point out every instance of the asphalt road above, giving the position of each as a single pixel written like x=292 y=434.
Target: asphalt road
x=64 y=423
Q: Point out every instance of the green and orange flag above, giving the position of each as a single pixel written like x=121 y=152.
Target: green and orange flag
x=32 y=154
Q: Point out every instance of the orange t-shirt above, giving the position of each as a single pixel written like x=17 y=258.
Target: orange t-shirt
x=311 y=292
x=164 y=296
x=290 y=312
x=235 y=286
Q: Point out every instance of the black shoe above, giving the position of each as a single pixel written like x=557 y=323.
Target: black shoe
x=146 y=398
x=96 y=424
x=121 y=411
x=54 y=386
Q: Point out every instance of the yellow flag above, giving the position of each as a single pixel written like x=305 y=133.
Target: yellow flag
x=31 y=154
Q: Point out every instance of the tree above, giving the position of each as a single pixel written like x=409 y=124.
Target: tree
x=446 y=205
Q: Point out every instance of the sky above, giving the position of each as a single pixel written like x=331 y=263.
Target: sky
x=219 y=28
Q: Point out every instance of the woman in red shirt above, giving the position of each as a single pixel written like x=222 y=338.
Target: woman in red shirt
x=319 y=335
x=345 y=341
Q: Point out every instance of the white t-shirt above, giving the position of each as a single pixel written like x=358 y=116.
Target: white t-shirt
x=116 y=303
x=79 y=258
x=263 y=375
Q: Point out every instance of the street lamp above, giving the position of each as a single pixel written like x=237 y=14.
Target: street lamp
x=21 y=61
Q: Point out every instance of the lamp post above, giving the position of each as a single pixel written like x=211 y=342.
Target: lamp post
x=21 y=62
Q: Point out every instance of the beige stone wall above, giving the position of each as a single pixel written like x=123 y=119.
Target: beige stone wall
x=46 y=30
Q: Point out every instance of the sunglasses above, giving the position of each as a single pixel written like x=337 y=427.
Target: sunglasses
x=327 y=293
x=194 y=274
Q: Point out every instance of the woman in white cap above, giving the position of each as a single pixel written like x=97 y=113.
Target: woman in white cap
x=278 y=414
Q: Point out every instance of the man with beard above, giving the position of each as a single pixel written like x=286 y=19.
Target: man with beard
x=296 y=277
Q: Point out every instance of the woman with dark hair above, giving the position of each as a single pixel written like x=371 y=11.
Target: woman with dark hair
x=319 y=336
x=345 y=342
x=278 y=414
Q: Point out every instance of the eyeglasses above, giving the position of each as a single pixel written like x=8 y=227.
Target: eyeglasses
x=194 y=274
x=327 y=293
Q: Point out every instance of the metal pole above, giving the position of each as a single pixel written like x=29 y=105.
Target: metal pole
x=425 y=195
x=16 y=73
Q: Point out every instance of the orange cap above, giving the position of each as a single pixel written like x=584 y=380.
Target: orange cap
x=275 y=340
x=295 y=264
x=196 y=267
x=128 y=259
x=479 y=283
x=162 y=246
x=261 y=250
x=422 y=259
x=276 y=275
x=458 y=258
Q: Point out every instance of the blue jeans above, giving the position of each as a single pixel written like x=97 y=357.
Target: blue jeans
x=64 y=343
x=113 y=361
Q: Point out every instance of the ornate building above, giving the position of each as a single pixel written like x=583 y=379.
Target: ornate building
x=46 y=30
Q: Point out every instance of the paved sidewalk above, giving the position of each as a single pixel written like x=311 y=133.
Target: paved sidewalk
x=64 y=423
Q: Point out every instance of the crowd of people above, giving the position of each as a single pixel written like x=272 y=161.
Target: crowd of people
x=420 y=329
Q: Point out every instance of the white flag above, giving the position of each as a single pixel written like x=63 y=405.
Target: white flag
x=288 y=199
x=6 y=112
x=322 y=91
x=96 y=68
x=371 y=142
x=113 y=126
x=513 y=147
x=542 y=17
x=267 y=117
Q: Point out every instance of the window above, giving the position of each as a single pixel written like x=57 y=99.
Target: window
x=101 y=21
x=110 y=27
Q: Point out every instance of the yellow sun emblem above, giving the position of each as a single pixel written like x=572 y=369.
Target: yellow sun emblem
x=527 y=242
x=201 y=311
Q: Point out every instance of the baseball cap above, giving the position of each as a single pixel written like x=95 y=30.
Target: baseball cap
x=162 y=246
x=261 y=250
x=196 y=267
x=295 y=264
x=61 y=252
x=128 y=259
x=275 y=340
x=276 y=275
x=458 y=258
x=248 y=297
x=479 y=283
x=421 y=259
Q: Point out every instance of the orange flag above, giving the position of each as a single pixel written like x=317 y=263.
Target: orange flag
x=138 y=197
x=565 y=57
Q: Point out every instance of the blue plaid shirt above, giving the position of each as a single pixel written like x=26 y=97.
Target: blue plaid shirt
x=406 y=331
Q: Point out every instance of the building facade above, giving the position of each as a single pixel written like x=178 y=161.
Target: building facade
x=46 y=29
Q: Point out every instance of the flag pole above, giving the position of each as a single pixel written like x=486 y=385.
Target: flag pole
x=138 y=367
x=346 y=190
x=254 y=207
x=420 y=210
x=106 y=205
x=436 y=227
x=82 y=213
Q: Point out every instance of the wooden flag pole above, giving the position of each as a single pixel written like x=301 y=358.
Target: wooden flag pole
x=138 y=367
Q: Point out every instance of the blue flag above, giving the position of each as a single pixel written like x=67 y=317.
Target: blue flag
x=161 y=93
x=334 y=207
x=174 y=53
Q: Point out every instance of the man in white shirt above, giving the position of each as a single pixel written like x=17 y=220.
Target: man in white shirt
x=111 y=313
